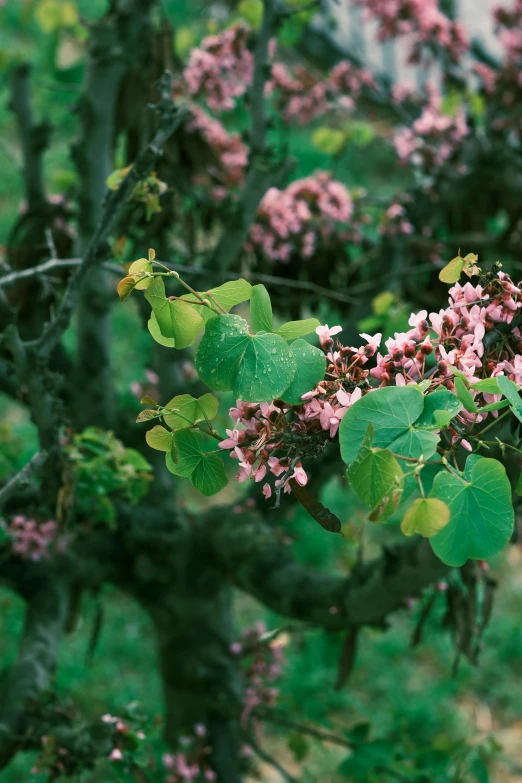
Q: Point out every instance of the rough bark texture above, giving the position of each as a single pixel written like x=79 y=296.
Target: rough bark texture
x=115 y=42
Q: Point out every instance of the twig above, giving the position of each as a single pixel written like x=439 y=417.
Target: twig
x=272 y=716
x=300 y=285
x=171 y=119
x=22 y=477
x=268 y=759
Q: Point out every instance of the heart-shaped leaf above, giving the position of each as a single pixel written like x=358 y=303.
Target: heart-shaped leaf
x=427 y=516
x=481 y=511
x=176 y=319
x=376 y=477
x=155 y=332
x=140 y=270
x=311 y=367
x=393 y=411
x=257 y=368
x=187 y=410
x=206 y=471
x=440 y=407
x=159 y=438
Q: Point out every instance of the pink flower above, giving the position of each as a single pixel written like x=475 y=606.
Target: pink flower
x=116 y=755
x=300 y=475
x=325 y=332
x=346 y=400
x=330 y=418
x=267 y=491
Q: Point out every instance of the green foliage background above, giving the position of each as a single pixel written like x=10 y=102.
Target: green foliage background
x=408 y=696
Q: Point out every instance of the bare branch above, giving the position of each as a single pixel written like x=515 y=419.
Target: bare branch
x=171 y=119
x=34 y=137
x=260 y=564
x=22 y=477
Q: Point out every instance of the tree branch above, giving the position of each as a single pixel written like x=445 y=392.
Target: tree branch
x=170 y=119
x=258 y=563
x=262 y=172
x=32 y=672
x=22 y=477
x=34 y=137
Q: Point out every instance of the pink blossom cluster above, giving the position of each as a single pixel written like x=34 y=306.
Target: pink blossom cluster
x=230 y=152
x=31 y=540
x=431 y=30
x=296 y=220
x=433 y=137
x=274 y=438
x=264 y=659
x=221 y=68
x=302 y=94
x=191 y=761
x=509 y=24
x=264 y=436
x=460 y=343
x=395 y=221
x=121 y=732
x=503 y=85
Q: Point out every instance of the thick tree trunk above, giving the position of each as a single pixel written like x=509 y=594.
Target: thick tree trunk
x=116 y=42
x=200 y=676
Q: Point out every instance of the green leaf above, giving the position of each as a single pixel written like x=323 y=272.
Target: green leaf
x=518 y=488
x=427 y=516
x=176 y=319
x=188 y=410
x=227 y=295
x=206 y=471
x=138 y=269
x=510 y=392
x=330 y=141
x=159 y=438
x=393 y=411
x=440 y=407
x=137 y=460
x=487 y=386
x=298 y=746
x=459 y=374
x=376 y=477
x=294 y=329
x=311 y=367
x=481 y=511
x=209 y=475
x=155 y=331
x=465 y=396
x=257 y=368
x=126 y=287
x=495 y=406
x=260 y=310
